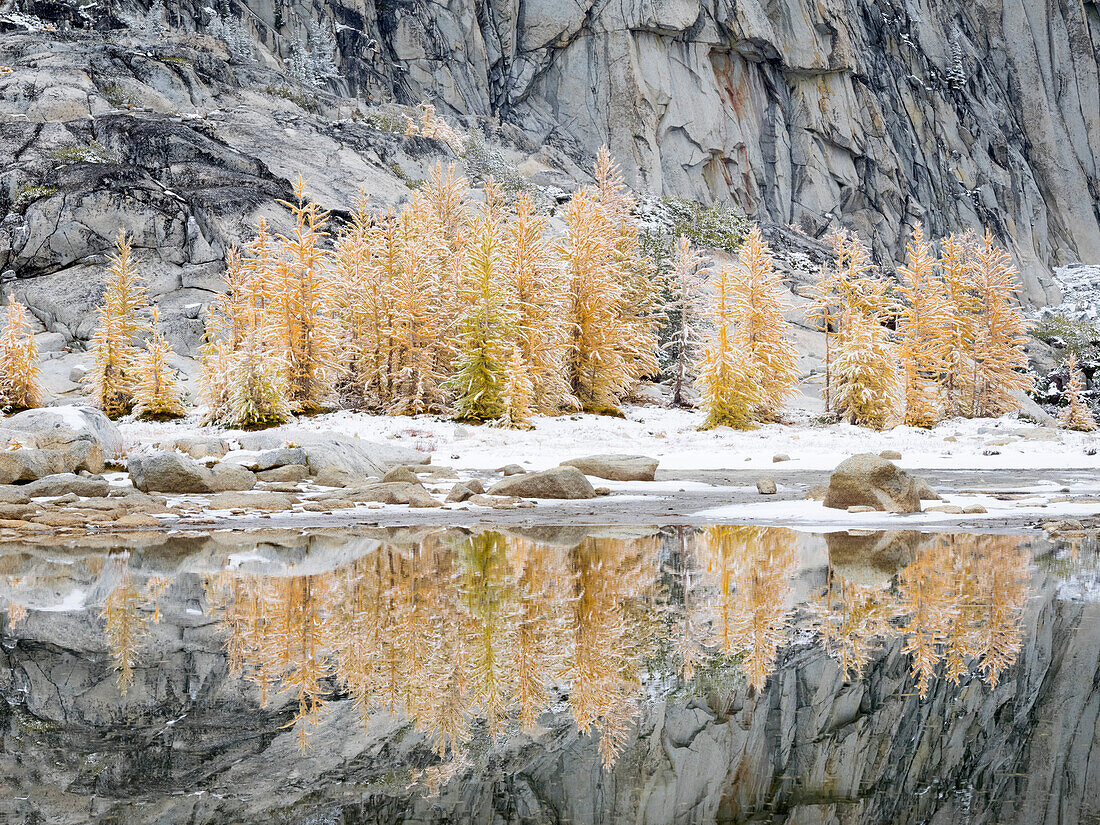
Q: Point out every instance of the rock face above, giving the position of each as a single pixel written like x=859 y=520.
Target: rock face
x=185 y=130
x=559 y=482
x=616 y=467
x=867 y=480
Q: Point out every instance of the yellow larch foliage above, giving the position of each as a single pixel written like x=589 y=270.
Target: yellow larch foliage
x=732 y=391
x=955 y=262
x=519 y=392
x=1077 y=415
x=20 y=388
x=487 y=323
x=686 y=294
x=925 y=326
x=1000 y=332
x=122 y=318
x=541 y=296
x=641 y=286
x=357 y=303
x=751 y=569
x=600 y=367
x=419 y=339
x=243 y=372
x=303 y=302
x=125 y=623
x=760 y=329
x=868 y=380
x=157 y=392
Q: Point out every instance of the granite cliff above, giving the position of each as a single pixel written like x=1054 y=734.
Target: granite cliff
x=185 y=122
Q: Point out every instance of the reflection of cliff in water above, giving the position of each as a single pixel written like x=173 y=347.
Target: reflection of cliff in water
x=677 y=676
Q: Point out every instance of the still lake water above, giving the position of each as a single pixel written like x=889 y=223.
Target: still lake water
x=642 y=675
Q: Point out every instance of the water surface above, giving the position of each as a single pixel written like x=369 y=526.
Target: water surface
x=726 y=674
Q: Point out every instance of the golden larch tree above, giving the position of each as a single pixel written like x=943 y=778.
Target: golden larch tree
x=925 y=326
x=482 y=365
x=868 y=381
x=732 y=390
x=1076 y=415
x=157 y=391
x=999 y=359
x=20 y=386
x=955 y=263
x=600 y=368
x=641 y=286
x=303 y=305
x=122 y=318
x=243 y=375
x=541 y=294
x=760 y=328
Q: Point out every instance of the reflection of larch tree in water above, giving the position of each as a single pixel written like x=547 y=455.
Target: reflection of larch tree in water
x=124 y=617
x=850 y=619
x=467 y=638
x=959 y=602
x=751 y=569
x=450 y=635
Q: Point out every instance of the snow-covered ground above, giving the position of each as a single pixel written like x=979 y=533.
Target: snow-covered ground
x=674 y=437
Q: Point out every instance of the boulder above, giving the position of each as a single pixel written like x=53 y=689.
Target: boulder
x=169 y=472
x=925 y=491
x=462 y=491
x=199 y=446
x=338 y=456
x=867 y=480
x=291 y=473
x=890 y=455
x=257 y=461
x=172 y=472
x=780 y=457
x=61 y=425
x=401 y=473
x=817 y=492
x=229 y=477
x=13 y=494
x=63 y=483
x=511 y=470
x=396 y=492
x=260 y=502
x=559 y=482
x=616 y=467
x=766 y=486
